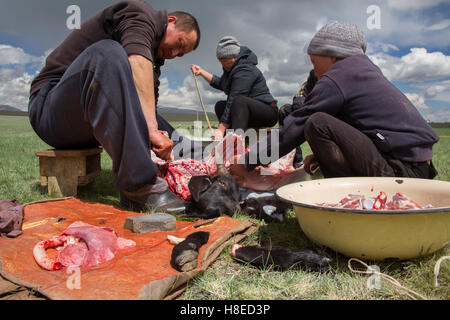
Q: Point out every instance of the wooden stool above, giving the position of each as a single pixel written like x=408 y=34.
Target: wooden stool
x=64 y=170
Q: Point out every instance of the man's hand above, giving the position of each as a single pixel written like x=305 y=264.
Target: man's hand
x=310 y=164
x=238 y=170
x=220 y=132
x=196 y=70
x=142 y=69
x=161 y=145
x=217 y=135
x=199 y=71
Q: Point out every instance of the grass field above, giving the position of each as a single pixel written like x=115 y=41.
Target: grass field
x=225 y=278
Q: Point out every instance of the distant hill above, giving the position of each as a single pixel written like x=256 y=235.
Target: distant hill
x=183 y=115
x=4 y=107
x=6 y=110
x=166 y=110
x=440 y=124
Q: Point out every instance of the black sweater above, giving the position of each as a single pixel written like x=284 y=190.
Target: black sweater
x=243 y=78
x=355 y=91
x=133 y=23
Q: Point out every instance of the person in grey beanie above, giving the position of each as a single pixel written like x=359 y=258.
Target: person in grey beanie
x=356 y=122
x=249 y=103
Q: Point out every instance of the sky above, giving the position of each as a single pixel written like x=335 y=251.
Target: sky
x=408 y=39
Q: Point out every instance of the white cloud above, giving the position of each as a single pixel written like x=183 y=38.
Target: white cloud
x=434 y=90
x=14 y=80
x=11 y=55
x=385 y=47
x=14 y=87
x=417 y=100
x=418 y=65
x=437 y=90
x=441 y=25
x=438 y=115
x=186 y=97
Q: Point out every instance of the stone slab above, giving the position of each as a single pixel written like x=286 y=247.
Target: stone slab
x=151 y=222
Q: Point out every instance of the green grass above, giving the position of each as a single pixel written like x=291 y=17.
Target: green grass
x=225 y=278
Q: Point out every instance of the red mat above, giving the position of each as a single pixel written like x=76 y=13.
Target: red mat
x=143 y=272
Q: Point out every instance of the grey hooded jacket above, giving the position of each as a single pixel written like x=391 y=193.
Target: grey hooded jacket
x=243 y=79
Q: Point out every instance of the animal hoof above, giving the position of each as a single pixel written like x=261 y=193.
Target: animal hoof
x=185 y=253
x=188 y=261
x=186 y=256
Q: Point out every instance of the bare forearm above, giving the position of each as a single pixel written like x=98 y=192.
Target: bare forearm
x=142 y=70
x=207 y=76
x=223 y=126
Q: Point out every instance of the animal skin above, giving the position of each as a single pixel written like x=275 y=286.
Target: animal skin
x=267 y=208
x=282 y=259
x=213 y=196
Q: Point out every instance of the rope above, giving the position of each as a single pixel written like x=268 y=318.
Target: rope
x=437 y=269
x=369 y=270
x=201 y=100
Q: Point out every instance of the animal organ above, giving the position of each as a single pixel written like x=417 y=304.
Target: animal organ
x=80 y=245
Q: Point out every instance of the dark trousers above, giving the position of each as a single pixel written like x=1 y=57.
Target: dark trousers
x=96 y=103
x=285 y=111
x=343 y=151
x=248 y=113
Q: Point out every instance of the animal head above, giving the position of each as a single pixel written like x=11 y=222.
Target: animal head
x=214 y=196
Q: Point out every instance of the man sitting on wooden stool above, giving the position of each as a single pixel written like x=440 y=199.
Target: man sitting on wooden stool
x=100 y=87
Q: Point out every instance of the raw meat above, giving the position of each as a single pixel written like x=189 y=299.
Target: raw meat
x=360 y=202
x=80 y=245
x=178 y=173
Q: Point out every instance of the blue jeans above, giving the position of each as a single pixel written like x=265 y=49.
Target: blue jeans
x=96 y=103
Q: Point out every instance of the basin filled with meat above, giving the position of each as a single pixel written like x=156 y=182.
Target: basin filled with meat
x=373 y=218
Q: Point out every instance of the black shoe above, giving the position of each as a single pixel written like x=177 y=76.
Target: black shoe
x=166 y=201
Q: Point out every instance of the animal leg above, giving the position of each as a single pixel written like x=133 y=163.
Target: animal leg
x=185 y=253
x=280 y=258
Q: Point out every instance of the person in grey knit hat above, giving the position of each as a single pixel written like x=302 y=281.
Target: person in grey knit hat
x=356 y=122
x=249 y=103
x=228 y=47
x=338 y=39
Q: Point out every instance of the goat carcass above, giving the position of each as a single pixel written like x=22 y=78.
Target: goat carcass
x=178 y=173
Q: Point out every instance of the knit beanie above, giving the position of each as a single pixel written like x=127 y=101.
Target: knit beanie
x=228 y=47
x=338 y=39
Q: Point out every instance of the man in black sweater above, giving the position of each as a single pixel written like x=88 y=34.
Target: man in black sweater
x=356 y=121
x=100 y=86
